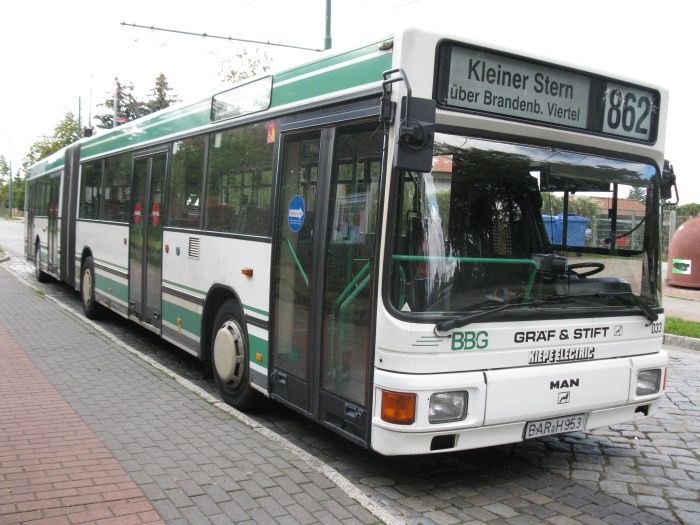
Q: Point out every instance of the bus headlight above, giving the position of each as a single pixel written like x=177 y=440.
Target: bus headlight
x=648 y=381
x=448 y=406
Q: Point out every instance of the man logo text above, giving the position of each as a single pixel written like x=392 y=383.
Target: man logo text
x=566 y=383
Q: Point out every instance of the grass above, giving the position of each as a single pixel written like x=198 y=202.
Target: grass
x=678 y=326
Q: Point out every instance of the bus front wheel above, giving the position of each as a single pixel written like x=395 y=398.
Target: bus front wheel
x=230 y=360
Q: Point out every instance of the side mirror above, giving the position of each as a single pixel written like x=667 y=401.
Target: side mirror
x=668 y=182
x=416 y=134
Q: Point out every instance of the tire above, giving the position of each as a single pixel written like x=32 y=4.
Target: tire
x=230 y=360
x=41 y=276
x=92 y=309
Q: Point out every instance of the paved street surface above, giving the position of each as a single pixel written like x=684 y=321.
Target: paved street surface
x=104 y=423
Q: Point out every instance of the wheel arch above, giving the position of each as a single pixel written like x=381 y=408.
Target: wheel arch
x=87 y=252
x=84 y=254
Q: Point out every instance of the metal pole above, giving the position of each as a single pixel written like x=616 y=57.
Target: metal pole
x=671 y=226
x=80 y=134
x=328 y=42
x=9 y=201
x=116 y=94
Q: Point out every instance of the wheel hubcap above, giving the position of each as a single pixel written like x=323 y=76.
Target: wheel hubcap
x=229 y=354
x=87 y=287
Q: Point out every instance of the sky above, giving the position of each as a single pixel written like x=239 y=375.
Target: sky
x=63 y=56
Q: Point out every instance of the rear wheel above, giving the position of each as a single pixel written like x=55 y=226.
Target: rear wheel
x=41 y=276
x=229 y=358
x=92 y=309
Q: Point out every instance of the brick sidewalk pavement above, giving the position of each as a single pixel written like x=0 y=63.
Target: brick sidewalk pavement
x=67 y=384
x=53 y=468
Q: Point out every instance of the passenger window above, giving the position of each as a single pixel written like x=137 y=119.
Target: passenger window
x=186 y=183
x=239 y=181
x=117 y=188
x=90 y=190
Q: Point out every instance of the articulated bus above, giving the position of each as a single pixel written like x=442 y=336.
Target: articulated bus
x=424 y=244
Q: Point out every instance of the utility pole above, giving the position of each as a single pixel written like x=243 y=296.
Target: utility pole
x=10 y=200
x=116 y=94
x=328 y=42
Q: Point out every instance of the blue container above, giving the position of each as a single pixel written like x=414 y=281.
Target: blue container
x=549 y=224
x=575 y=228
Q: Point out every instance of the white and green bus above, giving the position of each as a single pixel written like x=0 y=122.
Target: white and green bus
x=424 y=244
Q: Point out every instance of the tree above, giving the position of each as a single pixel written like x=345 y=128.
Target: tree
x=248 y=66
x=64 y=134
x=160 y=98
x=585 y=207
x=128 y=107
x=638 y=194
x=552 y=204
x=18 y=187
x=688 y=210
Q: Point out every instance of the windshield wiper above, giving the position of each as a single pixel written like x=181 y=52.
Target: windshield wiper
x=451 y=324
x=631 y=299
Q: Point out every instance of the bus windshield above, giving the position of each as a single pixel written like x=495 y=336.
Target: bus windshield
x=499 y=223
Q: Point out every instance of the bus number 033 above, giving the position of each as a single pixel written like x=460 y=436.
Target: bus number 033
x=621 y=111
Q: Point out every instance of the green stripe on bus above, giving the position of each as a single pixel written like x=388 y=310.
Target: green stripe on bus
x=190 y=321
x=258 y=346
x=119 y=291
x=151 y=128
x=350 y=76
x=324 y=63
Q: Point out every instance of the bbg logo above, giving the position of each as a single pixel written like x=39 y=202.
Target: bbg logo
x=470 y=340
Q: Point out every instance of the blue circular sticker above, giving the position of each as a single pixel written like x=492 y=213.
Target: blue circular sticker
x=296 y=213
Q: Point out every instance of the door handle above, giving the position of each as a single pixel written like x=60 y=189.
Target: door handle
x=353 y=412
x=281 y=377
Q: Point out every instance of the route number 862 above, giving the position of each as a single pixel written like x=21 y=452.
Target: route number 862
x=628 y=111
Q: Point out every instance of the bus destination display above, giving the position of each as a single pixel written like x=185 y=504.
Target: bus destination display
x=477 y=80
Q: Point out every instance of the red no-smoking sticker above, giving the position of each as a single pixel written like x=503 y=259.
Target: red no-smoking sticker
x=156 y=213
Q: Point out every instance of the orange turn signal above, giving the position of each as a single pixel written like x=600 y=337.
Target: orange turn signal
x=398 y=407
x=247 y=272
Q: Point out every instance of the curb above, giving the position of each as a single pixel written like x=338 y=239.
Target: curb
x=690 y=343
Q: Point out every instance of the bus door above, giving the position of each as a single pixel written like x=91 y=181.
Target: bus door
x=323 y=274
x=146 y=238
x=53 y=234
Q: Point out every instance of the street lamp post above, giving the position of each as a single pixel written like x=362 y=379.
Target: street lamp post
x=10 y=203
x=328 y=42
